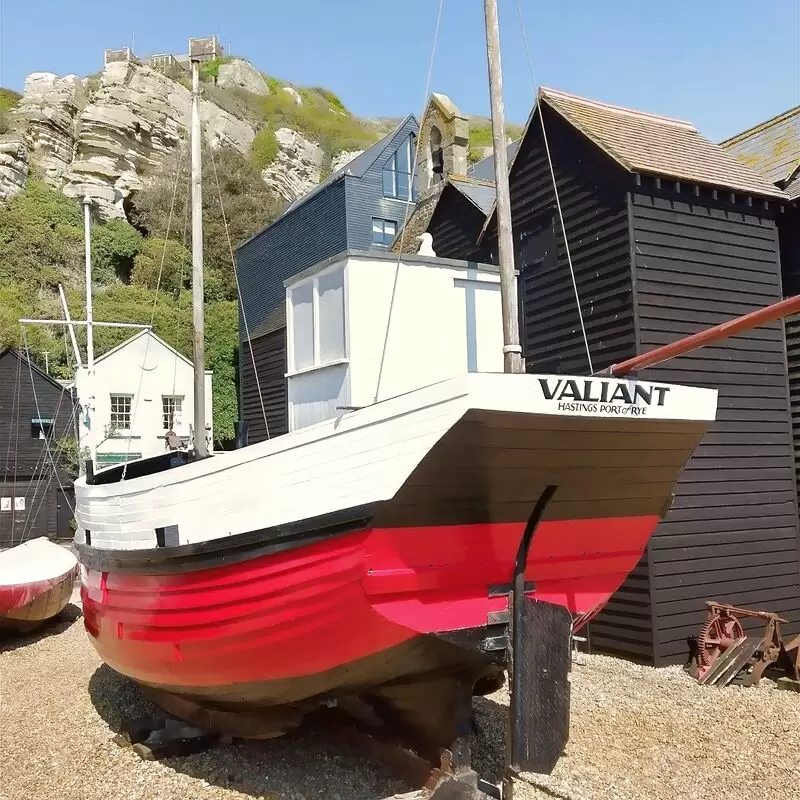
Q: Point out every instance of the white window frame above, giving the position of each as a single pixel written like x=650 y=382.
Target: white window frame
x=129 y=398
x=177 y=408
x=316 y=363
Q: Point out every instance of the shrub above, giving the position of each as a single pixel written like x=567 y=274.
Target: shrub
x=114 y=247
x=9 y=99
x=331 y=99
x=209 y=70
x=264 y=149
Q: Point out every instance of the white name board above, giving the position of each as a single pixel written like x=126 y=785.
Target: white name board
x=621 y=397
x=5 y=504
x=19 y=504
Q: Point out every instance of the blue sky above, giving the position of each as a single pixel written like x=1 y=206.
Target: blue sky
x=722 y=64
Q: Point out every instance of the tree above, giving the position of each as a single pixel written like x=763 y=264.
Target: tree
x=41 y=237
x=114 y=247
x=161 y=264
x=248 y=206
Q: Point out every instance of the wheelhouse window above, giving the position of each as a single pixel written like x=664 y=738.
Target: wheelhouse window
x=316 y=308
x=383 y=231
x=397 y=171
x=41 y=428
x=170 y=406
x=121 y=411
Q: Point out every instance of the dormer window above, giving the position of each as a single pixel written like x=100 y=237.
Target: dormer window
x=397 y=172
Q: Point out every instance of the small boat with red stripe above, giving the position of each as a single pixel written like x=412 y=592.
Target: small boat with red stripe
x=36 y=581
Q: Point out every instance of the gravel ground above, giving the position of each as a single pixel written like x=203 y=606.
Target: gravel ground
x=636 y=733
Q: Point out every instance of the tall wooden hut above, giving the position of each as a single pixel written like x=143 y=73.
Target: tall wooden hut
x=666 y=234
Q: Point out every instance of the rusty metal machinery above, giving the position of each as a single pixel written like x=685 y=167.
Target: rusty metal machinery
x=724 y=653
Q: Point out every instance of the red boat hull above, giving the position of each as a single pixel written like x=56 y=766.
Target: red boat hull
x=314 y=621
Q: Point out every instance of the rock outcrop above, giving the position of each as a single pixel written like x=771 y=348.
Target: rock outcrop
x=133 y=125
x=343 y=158
x=294 y=94
x=48 y=114
x=297 y=166
x=241 y=74
x=13 y=165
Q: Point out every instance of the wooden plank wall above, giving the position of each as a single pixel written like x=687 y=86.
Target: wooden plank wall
x=592 y=190
x=455 y=226
x=269 y=352
x=732 y=532
x=789 y=236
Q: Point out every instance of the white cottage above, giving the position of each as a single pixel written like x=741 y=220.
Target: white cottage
x=141 y=387
x=366 y=326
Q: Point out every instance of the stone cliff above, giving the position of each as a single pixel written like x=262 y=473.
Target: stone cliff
x=105 y=136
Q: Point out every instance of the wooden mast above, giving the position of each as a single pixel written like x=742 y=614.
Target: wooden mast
x=198 y=321
x=512 y=352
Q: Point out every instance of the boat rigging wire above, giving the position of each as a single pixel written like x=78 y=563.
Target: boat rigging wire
x=39 y=414
x=555 y=190
x=408 y=204
x=239 y=295
x=153 y=312
x=15 y=403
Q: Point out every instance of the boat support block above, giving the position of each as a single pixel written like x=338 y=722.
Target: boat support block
x=539 y=665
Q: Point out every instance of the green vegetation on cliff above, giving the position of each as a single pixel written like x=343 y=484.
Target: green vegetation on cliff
x=480 y=137
x=41 y=245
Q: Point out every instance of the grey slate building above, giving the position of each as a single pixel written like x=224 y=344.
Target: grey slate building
x=362 y=206
x=668 y=234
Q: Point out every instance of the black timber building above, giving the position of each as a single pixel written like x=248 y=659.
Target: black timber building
x=773 y=150
x=35 y=491
x=667 y=234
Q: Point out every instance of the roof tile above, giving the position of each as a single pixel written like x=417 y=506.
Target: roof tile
x=653 y=144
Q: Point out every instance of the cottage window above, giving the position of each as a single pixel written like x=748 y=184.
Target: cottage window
x=397 y=171
x=317 y=321
x=170 y=406
x=121 y=411
x=383 y=231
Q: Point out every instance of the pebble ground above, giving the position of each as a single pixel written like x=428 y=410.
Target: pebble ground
x=636 y=734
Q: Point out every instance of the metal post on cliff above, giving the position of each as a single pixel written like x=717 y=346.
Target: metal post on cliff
x=512 y=352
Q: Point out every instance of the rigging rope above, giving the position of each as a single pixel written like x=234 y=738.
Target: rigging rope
x=408 y=203
x=39 y=414
x=153 y=312
x=239 y=294
x=555 y=191
x=15 y=403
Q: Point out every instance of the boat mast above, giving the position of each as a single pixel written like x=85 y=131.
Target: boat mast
x=198 y=340
x=90 y=377
x=512 y=352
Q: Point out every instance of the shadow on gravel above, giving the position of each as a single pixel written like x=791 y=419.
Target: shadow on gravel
x=305 y=763
x=10 y=640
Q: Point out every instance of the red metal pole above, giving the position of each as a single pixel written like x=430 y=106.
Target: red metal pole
x=791 y=305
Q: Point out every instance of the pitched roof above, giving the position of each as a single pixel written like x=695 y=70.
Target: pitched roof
x=484 y=169
x=649 y=143
x=772 y=148
x=482 y=195
x=479 y=193
x=38 y=370
x=138 y=335
x=357 y=167
x=793 y=187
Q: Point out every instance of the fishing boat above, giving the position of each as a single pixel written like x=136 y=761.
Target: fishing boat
x=36 y=582
x=381 y=553
x=372 y=554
